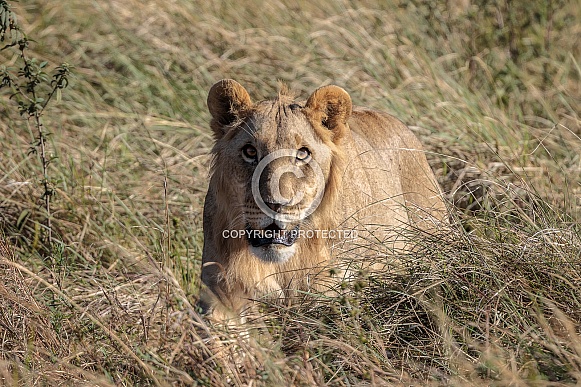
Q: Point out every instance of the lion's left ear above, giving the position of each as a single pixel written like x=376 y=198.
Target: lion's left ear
x=331 y=106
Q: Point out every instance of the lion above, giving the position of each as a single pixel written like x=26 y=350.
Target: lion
x=291 y=181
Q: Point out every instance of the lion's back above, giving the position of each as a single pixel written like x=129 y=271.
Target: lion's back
x=388 y=179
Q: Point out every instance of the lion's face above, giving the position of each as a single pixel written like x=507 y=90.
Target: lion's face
x=272 y=163
x=279 y=167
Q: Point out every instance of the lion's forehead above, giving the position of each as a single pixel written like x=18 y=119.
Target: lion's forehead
x=280 y=127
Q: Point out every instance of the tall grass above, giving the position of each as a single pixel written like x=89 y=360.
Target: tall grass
x=491 y=88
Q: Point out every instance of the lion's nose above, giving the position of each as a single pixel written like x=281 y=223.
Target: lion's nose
x=276 y=207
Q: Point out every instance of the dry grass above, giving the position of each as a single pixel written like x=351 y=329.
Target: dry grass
x=493 y=92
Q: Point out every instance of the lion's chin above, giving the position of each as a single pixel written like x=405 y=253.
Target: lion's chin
x=273 y=253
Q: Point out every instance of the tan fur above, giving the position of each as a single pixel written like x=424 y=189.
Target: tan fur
x=376 y=181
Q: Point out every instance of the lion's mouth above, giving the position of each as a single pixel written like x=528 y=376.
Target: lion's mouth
x=272 y=235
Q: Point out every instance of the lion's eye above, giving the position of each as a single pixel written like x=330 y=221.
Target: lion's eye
x=303 y=154
x=249 y=151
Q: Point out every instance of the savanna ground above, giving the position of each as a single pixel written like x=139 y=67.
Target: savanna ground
x=492 y=88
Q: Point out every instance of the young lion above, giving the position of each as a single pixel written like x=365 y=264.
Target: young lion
x=294 y=185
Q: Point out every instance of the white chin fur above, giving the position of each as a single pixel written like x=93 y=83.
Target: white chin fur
x=273 y=253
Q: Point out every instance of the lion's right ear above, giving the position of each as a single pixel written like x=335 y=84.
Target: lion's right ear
x=227 y=99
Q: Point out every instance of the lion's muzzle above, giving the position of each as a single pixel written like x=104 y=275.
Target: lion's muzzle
x=272 y=235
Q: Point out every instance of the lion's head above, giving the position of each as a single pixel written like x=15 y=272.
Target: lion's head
x=276 y=163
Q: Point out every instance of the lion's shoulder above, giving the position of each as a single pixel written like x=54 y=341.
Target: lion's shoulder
x=380 y=128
